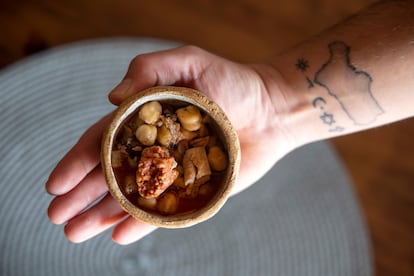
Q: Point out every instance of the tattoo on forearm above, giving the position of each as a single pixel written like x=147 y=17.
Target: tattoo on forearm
x=348 y=85
x=319 y=103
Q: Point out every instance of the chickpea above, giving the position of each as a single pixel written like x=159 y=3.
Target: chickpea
x=149 y=203
x=150 y=112
x=146 y=134
x=189 y=117
x=167 y=204
x=217 y=159
x=164 y=136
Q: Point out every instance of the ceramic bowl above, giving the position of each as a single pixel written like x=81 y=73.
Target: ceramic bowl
x=224 y=129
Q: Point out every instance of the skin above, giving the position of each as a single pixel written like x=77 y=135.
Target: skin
x=355 y=76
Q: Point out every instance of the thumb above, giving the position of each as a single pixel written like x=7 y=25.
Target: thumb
x=179 y=66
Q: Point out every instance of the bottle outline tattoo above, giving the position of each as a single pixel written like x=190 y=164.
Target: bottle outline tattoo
x=348 y=85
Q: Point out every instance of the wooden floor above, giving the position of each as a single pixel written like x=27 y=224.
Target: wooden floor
x=381 y=161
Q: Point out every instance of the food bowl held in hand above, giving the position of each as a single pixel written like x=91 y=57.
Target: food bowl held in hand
x=170 y=156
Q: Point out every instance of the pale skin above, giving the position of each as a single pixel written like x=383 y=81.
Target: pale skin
x=312 y=92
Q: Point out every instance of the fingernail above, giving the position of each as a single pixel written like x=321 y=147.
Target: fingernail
x=121 y=89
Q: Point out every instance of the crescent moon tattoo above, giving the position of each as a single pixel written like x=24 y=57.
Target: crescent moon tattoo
x=318 y=102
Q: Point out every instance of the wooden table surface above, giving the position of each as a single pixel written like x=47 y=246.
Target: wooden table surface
x=380 y=161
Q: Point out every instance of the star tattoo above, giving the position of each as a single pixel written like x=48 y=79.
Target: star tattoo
x=302 y=64
x=327 y=118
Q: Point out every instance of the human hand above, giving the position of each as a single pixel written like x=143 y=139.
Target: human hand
x=246 y=93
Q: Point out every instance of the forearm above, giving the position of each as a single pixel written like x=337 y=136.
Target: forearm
x=355 y=76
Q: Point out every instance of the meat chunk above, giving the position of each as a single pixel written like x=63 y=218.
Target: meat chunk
x=156 y=171
x=195 y=165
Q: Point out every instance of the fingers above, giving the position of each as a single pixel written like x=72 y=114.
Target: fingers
x=99 y=217
x=180 y=66
x=131 y=230
x=67 y=206
x=95 y=220
x=79 y=161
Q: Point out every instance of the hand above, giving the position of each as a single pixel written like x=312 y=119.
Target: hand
x=246 y=93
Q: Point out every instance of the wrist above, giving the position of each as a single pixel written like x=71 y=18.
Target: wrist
x=283 y=105
x=292 y=104
x=303 y=107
